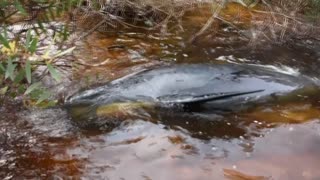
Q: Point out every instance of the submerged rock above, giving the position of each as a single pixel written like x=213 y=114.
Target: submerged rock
x=202 y=88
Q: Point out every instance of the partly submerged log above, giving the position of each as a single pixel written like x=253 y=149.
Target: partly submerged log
x=199 y=88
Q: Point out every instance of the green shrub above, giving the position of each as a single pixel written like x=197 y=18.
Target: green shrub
x=19 y=50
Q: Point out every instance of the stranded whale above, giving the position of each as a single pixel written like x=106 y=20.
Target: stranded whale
x=187 y=87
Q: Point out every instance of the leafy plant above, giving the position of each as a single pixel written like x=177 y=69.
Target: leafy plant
x=16 y=67
x=21 y=52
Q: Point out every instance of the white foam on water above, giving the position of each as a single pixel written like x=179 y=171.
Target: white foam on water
x=280 y=68
x=232 y=59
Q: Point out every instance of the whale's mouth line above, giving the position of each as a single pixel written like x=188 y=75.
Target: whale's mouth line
x=190 y=99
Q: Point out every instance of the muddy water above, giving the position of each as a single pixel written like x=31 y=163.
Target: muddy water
x=271 y=141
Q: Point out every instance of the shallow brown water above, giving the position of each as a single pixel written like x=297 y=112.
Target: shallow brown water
x=242 y=146
x=271 y=141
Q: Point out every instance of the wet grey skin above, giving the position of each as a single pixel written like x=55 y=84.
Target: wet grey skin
x=190 y=87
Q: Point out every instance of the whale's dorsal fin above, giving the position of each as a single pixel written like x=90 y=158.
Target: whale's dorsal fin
x=191 y=99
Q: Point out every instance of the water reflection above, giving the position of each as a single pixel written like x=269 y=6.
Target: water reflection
x=145 y=149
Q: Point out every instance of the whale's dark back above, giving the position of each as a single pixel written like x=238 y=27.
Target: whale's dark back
x=185 y=83
x=203 y=88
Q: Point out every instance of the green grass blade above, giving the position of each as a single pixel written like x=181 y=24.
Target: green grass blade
x=4 y=41
x=10 y=70
x=2 y=68
x=44 y=96
x=28 y=38
x=32 y=88
x=33 y=45
x=19 y=7
x=28 y=71
x=54 y=73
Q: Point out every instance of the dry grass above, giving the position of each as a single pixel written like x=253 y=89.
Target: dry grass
x=273 y=20
x=145 y=14
x=284 y=19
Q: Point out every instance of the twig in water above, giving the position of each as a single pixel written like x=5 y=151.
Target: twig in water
x=81 y=62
